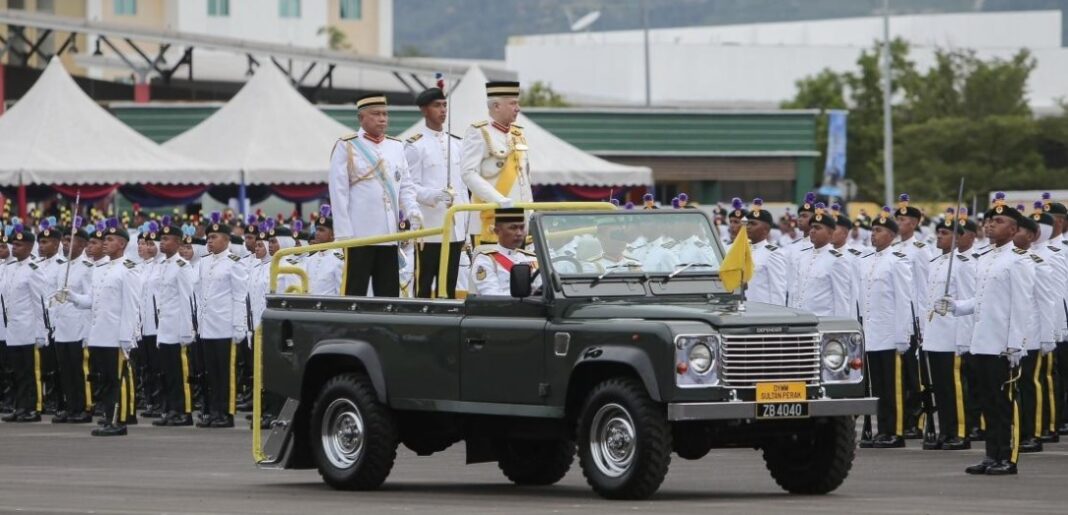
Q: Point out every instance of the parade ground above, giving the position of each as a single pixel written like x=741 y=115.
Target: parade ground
x=47 y=468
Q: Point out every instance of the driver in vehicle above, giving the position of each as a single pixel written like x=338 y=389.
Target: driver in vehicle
x=492 y=266
x=613 y=243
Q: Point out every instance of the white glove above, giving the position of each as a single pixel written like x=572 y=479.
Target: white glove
x=60 y=296
x=1048 y=347
x=415 y=221
x=963 y=349
x=944 y=306
x=127 y=346
x=40 y=342
x=185 y=340
x=1014 y=356
x=240 y=334
x=442 y=197
x=506 y=203
x=902 y=347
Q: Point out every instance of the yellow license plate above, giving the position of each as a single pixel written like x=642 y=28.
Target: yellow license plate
x=781 y=400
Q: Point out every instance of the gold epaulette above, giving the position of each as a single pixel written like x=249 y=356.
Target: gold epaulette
x=129 y=264
x=1036 y=258
x=234 y=258
x=1019 y=251
x=485 y=249
x=415 y=138
x=525 y=251
x=919 y=244
x=479 y=125
x=350 y=136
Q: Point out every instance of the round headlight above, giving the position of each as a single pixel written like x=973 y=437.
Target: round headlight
x=856 y=339
x=834 y=355
x=700 y=358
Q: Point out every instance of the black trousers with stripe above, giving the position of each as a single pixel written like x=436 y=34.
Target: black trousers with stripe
x=105 y=365
x=1048 y=394
x=26 y=375
x=885 y=367
x=7 y=390
x=997 y=399
x=70 y=356
x=948 y=387
x=428 y=263
x=374 y=265
x=1060 y=379
x=151 y=386
x=176 y=395
x=219 y=358
x=1030 y=389
x=972 y=412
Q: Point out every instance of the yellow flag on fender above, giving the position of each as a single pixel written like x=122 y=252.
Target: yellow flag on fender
x=737 y=266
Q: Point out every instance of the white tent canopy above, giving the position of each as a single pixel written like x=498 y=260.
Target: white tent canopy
x=268 y=131
x=552 y=160
x=56 y=134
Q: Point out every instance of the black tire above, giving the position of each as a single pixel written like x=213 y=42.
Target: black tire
x=624 y=440
x=536 y=462
x=818 y=461
x=362 y=458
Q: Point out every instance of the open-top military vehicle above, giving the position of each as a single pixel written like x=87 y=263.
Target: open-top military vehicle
x=622 y=363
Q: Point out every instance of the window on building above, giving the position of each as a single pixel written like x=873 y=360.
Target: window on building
x=351 y=9
x=125 y=7
x=218 y=7
x=289 y=8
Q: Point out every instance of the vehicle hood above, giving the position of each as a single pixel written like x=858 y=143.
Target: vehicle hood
x=718 y=314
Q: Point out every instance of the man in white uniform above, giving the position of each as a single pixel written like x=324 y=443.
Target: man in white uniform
x=24 y=286
x=325 y=267
x=769 y=261
x=823 y=284
x=492 y=266
x=71 y=329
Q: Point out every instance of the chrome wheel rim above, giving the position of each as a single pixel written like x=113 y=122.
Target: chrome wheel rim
x=342 y=433
x=613 y=440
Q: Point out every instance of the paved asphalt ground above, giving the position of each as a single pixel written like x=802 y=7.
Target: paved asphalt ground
x=47 y=468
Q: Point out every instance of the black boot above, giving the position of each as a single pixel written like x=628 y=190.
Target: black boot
x=223 y=421
x=1002 y=468
x=956 y=444
x=181 y=420
x=109 y=430
x=11 y=417
x=60 y=418
x=1050 y=438
x=913 y=433
x=890 y=442
x=981 y=468
x=80 y=418
x=29 y=416
x=1031 y=445
x=205 y=421
x=163 y=420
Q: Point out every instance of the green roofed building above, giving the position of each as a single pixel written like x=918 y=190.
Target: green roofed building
x=709 y=154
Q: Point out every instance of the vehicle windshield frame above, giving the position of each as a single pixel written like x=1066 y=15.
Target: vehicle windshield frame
x=625 y=283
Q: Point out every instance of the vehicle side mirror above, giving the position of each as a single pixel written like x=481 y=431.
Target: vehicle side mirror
x=519 y=280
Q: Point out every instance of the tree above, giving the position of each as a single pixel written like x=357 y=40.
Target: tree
x=540 y=94
x=336 y=39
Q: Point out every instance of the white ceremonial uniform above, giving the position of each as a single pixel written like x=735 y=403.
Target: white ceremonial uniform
x=662 y=256
x=324 y=272
x=485 y=150
x=368 y=199
x=113 y=302
x=823 y=283
x=51 y=267
x=919 y=259
x=428 y=153
x=221 y=297
x=945 y=334
x=1042 y=301
x=695 y=251
x=491 y=277
x=637 y=249
x=259 y=278
x=24 y=294
x=173 y=278
x=3 y=281
x=602 y=263
x=853 y=257
x=1001 y=305
x=71 y=323
x=149 y=306
x=769 y=274
x=794 y=250
x=1057 y=283
x=884 y=295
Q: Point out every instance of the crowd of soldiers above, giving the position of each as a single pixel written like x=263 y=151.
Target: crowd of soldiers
x=109 y=316
x=965 y=321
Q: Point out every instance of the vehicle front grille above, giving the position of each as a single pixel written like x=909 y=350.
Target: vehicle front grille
x=759 y=358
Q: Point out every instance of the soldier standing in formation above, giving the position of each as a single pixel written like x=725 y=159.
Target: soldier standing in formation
x=823 y=281
x=25 y=285
x=71 y=329
x=908 y=219
x=769 y=261
x=173 y=293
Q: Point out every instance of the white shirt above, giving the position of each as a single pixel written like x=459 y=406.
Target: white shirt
x=370 y=200
x=427 y=153
x=221 y=297
x=113 y=303
x=945 y=334
x=71 y=323
x=1043 y=300
x=24 y=294
x=662 y=256
x=258 y=281
x=324 y=272
x=149 y=307
x=823 y=283
x=919 y=258
x=1001 y=305
x=485 y=149
x=769 y=275
x=885 y=299
x=1057 y=282
x=490 y=277
x=173 y=279
x=3 y=275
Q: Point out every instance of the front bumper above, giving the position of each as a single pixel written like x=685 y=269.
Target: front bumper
x=683 y=411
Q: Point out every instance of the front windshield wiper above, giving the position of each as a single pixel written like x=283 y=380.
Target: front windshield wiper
x=608 y=270
x=684 y=267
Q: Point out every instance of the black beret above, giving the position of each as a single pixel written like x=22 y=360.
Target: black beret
x=885 y=220
x=758 y=213
x=429 y=95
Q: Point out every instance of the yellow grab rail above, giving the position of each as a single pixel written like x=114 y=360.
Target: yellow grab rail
x=257 y=349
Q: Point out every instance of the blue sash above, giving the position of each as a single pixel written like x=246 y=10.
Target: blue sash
x=380 y=174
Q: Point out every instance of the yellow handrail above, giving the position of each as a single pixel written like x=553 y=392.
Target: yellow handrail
x=257 y=351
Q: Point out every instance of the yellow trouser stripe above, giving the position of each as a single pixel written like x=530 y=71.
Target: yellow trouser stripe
x=88 y=385
x=37 y=378
x=186 y=395
x=1038 y=397
x=958 y=392
x=1015 y=443
x=899 y=409
x=344 y=274
x=131 y=385
x=121 y=415
x=233 y=378
x=1052 y=390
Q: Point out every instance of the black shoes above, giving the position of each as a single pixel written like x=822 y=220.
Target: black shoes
x=174 y=419
x=981 y=468
x=60 y=418
x=889 y=442
x=1063 y=430
x=1031 y=445
x=1002 y=468
x=223 y=421
x=1050 y=438
x=22 y=416
x=955 y=444
x=913 y=433
x=80 y=418
x=152 y=412
x=977 y=435
x=109 y=430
